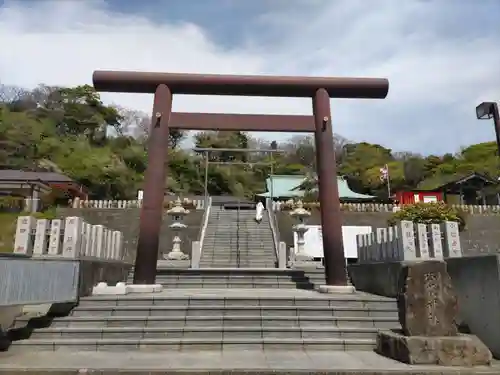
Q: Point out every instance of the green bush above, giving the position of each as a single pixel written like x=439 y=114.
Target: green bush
x=429 y=213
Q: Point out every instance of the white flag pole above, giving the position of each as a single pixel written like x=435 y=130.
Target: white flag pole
x=388 y=181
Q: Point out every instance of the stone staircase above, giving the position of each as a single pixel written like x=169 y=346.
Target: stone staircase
x=212 y=319
x=241 y=278
x=233 y=239
x=225 y=306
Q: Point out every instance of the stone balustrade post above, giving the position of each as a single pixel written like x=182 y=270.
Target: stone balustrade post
x=23 y=243
x=72 y=237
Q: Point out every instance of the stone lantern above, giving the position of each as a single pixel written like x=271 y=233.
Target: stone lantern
x=178 y=212
x=301 y=215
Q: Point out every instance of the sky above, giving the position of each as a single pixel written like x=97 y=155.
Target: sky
x=442 y=57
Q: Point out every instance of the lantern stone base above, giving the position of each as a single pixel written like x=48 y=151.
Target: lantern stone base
x=103 y=289
x=176 y=255
x=461 y=350
x=337 y=289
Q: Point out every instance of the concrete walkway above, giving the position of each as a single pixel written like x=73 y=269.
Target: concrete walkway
x=196 y=362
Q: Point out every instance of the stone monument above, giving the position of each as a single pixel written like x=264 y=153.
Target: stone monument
x=428 y=310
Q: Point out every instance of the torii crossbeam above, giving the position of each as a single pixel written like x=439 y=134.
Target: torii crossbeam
x=165 y=85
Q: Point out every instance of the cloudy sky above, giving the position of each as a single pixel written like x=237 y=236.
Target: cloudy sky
x=442 y=57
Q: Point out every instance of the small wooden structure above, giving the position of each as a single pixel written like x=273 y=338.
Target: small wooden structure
x=416 y=196
x=474 y=189
x=33 y=185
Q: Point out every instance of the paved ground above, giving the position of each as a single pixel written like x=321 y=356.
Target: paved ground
x=258 y=361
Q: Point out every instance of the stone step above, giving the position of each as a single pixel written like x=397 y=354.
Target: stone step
x=239 y=272
x=263 y=278
x=212 y=283
x=209 y=280
x=236 y=248
x=217 y=311
x=354 y=302
x=216 y=332
x=241 y=262
x=119 y=345
x=233 y=284
x=256 y=253
x=239 y=243
x=301 y=286
x=208 y=265
x=241 y=251
x=242 y=258
x=225 y=321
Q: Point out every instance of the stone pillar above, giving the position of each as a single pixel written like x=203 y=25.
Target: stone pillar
x=41 y=237
x=437 y=242
x=118 y=244
x=72 y=237
x=452 y=248
x=422 y=241
x=406 y=236
x=87 y=233
x=99 y=241
x=93 y=241
x=22 y=242
x=109 y=245
x=55 y=239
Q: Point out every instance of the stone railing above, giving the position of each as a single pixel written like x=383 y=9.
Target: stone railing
x=382 y=207
x=410 y=241
x=199 y=204
x=70 y=238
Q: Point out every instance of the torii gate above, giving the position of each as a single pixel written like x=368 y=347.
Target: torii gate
x=164 y=85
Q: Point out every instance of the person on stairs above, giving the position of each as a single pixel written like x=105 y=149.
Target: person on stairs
x=259 y=211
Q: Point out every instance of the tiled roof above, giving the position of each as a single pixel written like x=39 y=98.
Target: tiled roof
x=18 y=175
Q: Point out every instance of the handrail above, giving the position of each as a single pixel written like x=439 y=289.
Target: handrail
x=206 y=215
x=238 y=254
x=272 y=224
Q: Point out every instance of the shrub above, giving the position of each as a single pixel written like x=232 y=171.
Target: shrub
x=429 y=213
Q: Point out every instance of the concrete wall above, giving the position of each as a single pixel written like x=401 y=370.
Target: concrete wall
x=377 y=278
x=53 y=280
x=477 y=283
x=127 y=221
x=481 y=236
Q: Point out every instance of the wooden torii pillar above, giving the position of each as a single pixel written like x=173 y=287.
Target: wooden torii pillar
x=164 y=85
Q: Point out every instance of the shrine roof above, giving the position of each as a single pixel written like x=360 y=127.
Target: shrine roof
x=289 y=186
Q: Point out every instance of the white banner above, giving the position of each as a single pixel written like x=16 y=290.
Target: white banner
x=314 y=240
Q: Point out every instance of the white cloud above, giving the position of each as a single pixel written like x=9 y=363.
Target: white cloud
x=436 y=77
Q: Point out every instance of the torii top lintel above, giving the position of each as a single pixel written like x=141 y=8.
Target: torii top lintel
x=214 y=84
